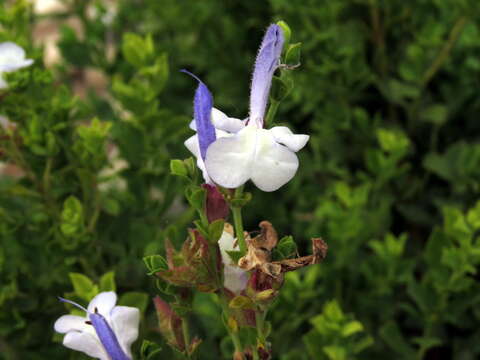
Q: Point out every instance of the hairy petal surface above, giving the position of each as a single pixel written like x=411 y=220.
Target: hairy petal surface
x=202 y=109
x=265 y=65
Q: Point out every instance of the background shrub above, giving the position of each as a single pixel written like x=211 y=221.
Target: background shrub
x=390 y=178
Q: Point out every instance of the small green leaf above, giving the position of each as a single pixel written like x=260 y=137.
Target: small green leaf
x=281 y=87
x=292 y=57
x=241 y=302
x=155 y=263
x=235 y=255
x=285 y=249
x=178 y=167
x=83 y=286
x=351 y=328
x=215 y=230
x=134 y=299
x=107 y=282
x=149 y=349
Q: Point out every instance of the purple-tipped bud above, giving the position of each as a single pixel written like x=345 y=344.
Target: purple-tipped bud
x=202 y=109
x=107 y=337
x=216 y=206
x=265 y=65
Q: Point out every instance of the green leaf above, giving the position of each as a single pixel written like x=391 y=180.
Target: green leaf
x=155 y=263
x=215 y=230
x=178 y=167
x=235 y=255
x=435 y=114
x=286 y=248
x=292 y=56
x=392 y=335
x=83 y=286
x=149 y=349
x=196 y=197
x=107 y=282
x=137 y=50
x=134 y=299
x=351 y=328
x=241 y=302
x=281 y=87
x=335 y=352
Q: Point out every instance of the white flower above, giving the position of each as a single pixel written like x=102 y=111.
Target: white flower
x=12 y=58
x=230 y=151
x=224 y=127
x=107 y=329
x=265 y=156
x=235 y=279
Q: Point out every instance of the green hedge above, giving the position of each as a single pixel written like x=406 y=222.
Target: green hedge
x=388 y=91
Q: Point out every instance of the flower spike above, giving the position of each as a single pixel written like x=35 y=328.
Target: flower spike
x=267 y=62
x=202 y=109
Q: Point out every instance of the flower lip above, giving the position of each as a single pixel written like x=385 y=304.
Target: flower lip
x=266 y=63
x=202 y=109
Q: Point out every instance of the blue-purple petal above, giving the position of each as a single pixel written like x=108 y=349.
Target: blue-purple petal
x=265 y=65
x=107 y=337
x=202 y=109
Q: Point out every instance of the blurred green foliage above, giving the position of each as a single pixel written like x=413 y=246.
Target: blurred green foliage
x=388 y=91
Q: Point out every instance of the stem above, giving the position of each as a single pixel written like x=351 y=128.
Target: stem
x=233 y=334
x=272 y=110
x=237 y=220
x=186 y=337
x=445 y=51
x=260 y=322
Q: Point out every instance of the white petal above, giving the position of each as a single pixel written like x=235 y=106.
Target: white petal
x=12 y=57
x=193 y=125
x=229 y=160
x=226 y=243
x=234 y=278
x=192 y=145
x=103 y=302
x=125 y=321
x=68 y=323
x=284 y=136
x=222 y=122
x=86 y=343
x=274 y=164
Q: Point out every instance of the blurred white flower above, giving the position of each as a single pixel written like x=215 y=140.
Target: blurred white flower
x=12 y=58
x=106 y=333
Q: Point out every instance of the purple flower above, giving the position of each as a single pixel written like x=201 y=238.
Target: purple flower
x=106 y=333
x=267 y=62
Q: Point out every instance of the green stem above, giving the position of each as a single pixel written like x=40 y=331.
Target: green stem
x=233 y=334
x=186 y=337
x=237 y=220
x=445 y=51
x=260 y=323
x=272 y=110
